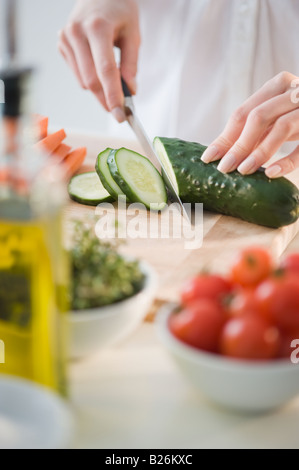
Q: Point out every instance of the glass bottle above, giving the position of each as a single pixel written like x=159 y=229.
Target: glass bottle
x=34 y=271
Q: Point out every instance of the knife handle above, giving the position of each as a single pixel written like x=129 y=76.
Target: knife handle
x=125 y=88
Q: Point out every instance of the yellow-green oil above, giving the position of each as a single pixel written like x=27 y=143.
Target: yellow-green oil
x=33 y=297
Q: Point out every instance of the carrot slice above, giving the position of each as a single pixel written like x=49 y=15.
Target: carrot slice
x=41 y=123
x=62 y=151
x=50 y=143
x=74 y=160
x=21 y=185
x=15 y=181
x=4 y=176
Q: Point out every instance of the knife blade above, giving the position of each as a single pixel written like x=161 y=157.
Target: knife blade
x=148 y=148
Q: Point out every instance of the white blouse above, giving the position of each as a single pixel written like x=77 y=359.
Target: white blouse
x=200 y=59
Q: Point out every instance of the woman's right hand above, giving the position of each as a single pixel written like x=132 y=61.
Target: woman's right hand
x=87 y=42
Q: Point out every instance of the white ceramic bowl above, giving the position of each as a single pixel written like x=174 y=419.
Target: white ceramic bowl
x=33 y=417
x=238 y=385
x=96 y=329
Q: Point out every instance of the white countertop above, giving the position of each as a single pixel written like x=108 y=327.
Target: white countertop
x=133 y=397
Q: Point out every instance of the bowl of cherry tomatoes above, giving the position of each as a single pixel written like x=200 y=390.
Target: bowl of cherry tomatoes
x=236 y=337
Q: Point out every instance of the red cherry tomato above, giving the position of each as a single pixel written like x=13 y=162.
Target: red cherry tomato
x=243 y=302
x=290 y=264
x=199 y=324
x=249 y=337
x=278 y=299
x=205 y=286
x=252 y=265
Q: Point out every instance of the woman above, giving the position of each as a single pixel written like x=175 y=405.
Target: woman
x=203 y=65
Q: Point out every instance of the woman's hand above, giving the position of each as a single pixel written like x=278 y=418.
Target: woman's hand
x=87 y=42
x=257 y=130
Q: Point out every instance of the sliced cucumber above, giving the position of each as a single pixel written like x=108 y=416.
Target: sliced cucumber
x=138 y=178
x=87 y=189
x=254 y=198
x=103 y=171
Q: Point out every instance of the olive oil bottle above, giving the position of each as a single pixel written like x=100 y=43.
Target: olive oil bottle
x=34 y=270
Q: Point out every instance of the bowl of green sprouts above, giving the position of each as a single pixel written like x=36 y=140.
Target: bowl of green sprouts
x=110 y=294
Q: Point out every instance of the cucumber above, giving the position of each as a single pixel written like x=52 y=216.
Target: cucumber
x=255 y=198
x=104 y=174
x=138 y=178
x=87 y=189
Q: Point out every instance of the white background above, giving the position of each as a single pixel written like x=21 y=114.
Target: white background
x=57 y=93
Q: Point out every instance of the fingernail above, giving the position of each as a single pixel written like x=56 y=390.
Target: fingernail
x=133 y=86
x=273 y=171
x=248 y=166
x=118 y=114
x=210 y=154
x=227 y=164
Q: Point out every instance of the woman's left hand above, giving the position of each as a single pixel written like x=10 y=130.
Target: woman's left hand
x=258 y=128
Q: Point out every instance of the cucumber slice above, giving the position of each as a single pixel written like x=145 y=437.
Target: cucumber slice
x=104 y=174
x=87 y=189
x=161 y=151
x=138 y=178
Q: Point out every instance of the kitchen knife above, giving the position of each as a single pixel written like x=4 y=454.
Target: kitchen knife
x=148 y=147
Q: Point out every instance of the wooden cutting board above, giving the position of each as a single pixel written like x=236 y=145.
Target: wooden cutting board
x=223 y=236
